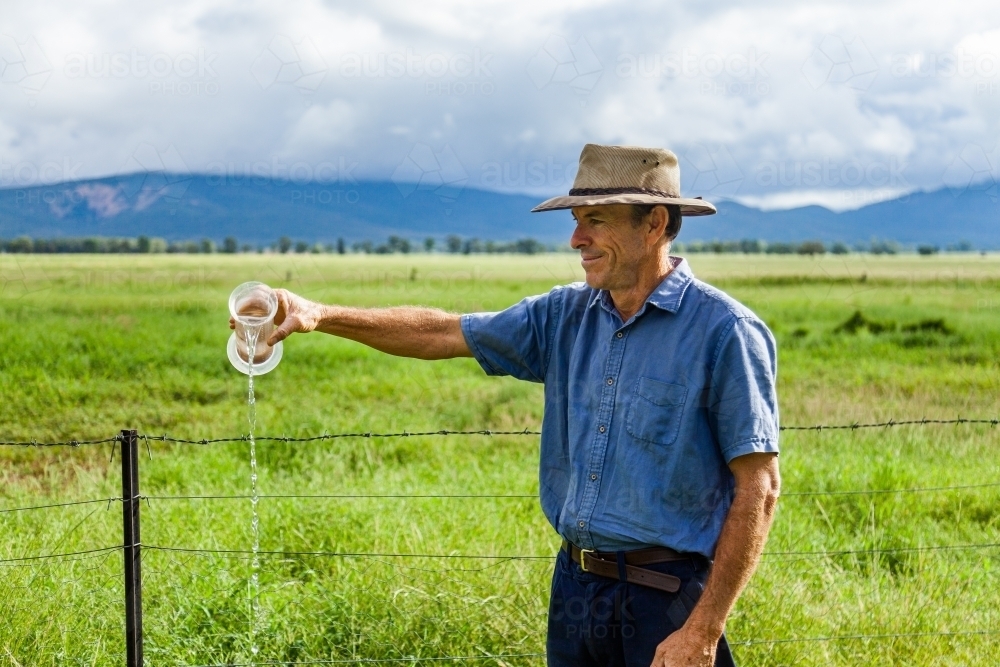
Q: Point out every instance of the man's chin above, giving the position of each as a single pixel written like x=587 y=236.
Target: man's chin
x=595 y=280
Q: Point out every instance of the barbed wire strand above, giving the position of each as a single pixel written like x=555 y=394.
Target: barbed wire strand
x=345 y=661
x=750 y=642
x=54 y=505
x=534 y=496
x=352 y=554
x=445 y=432
x=335 y=436
x=890 y=423
x=917 y=489
x=462 y=496
x=352 y=496
x=68 y=559
x=339 y=554
x=487 y=432
x=882 y=550
x=66 y=443
x=889 y=635
x=62 y=555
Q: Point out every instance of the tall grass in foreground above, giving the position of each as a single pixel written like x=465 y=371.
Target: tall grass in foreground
x=93 y=345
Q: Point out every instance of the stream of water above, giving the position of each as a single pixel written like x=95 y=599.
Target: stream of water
x=252 y=334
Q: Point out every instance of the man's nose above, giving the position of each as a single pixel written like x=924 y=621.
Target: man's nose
x=578 y=239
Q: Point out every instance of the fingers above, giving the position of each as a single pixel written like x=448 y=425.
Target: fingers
x=232 y=323
x=287 y=328
x=284 y=305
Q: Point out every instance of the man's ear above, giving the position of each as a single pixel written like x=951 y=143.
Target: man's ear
x=656 y=225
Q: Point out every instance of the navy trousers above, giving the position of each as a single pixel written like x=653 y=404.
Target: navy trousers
x=600 y=622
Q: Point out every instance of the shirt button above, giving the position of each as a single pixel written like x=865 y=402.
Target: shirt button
x=601 y=428
x=582 y=524
x=611 y=381
x=593 y=478
x=619 y=334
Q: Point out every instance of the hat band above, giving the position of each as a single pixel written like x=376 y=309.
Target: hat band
x=594 y=192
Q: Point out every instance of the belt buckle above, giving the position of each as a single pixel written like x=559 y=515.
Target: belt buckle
x=583 y=558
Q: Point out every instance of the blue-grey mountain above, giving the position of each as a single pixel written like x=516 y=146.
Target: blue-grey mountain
x=193 y=206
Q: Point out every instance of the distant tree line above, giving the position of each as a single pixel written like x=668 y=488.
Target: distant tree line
x=113 y=245
x=453 y=244
x=456 y=245
x=755 y=246
x=284 y=245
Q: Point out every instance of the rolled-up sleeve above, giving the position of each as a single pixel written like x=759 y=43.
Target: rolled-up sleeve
x=743 y=406
x=515 y=341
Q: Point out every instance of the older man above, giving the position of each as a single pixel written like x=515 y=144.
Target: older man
x=660 y=437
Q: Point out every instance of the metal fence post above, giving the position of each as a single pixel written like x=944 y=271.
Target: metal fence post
x=132 y=545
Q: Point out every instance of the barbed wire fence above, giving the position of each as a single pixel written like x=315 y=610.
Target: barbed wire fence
x=853 y=426
x=392 y=565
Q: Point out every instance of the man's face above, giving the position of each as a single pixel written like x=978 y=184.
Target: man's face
x=611 y=247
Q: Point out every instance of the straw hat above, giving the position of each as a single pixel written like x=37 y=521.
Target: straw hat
x=627 y=175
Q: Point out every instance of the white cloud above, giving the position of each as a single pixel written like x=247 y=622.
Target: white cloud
x=320 y=128
x=835 y=200
x=781 y=87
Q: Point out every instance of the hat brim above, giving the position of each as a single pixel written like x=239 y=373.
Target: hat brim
x=689 y=207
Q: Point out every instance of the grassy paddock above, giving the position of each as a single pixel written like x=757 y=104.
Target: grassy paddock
x=94 y=344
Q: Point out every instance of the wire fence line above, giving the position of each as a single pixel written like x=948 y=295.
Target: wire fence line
x=241 y=553
x=506 y=656
x=446 y=432
x=246 y=438
x=534 y=496
x=511 y=557
x=890 y=423
x=863 y=637
x=71 y=554
x=67 y=558
x=363 y=661
x=872 y=492
x=288 y=554
x=359 y=496
x=466 y=496
x=749 y=642
x=880 y=550
x=65 y=443
x=11 y=510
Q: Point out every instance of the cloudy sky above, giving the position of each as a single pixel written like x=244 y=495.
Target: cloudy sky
x=778 y=104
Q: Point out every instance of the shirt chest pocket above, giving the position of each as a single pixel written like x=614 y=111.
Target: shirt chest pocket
x=655 y=413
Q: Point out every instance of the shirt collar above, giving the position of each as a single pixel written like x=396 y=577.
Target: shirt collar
x=667 y=295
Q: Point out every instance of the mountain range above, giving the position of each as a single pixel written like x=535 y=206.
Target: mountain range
x=260 y=210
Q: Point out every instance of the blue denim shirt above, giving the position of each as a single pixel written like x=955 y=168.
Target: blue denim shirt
x=641 y=417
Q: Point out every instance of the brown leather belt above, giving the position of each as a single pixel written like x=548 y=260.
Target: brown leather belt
x=630 y=570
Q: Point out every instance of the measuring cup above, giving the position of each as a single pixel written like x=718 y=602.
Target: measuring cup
x=253 y=305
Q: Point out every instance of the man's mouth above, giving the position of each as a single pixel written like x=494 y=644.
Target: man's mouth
x=589 y=260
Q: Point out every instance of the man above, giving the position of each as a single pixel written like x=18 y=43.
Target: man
x=660 y=437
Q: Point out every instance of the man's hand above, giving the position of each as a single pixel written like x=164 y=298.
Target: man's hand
x=295 y=315
x=686 y=648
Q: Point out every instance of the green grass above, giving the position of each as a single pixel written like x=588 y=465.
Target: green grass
x=95 y=344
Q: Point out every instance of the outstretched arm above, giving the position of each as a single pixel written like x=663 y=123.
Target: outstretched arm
x=736 y=556
x=405 y=331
